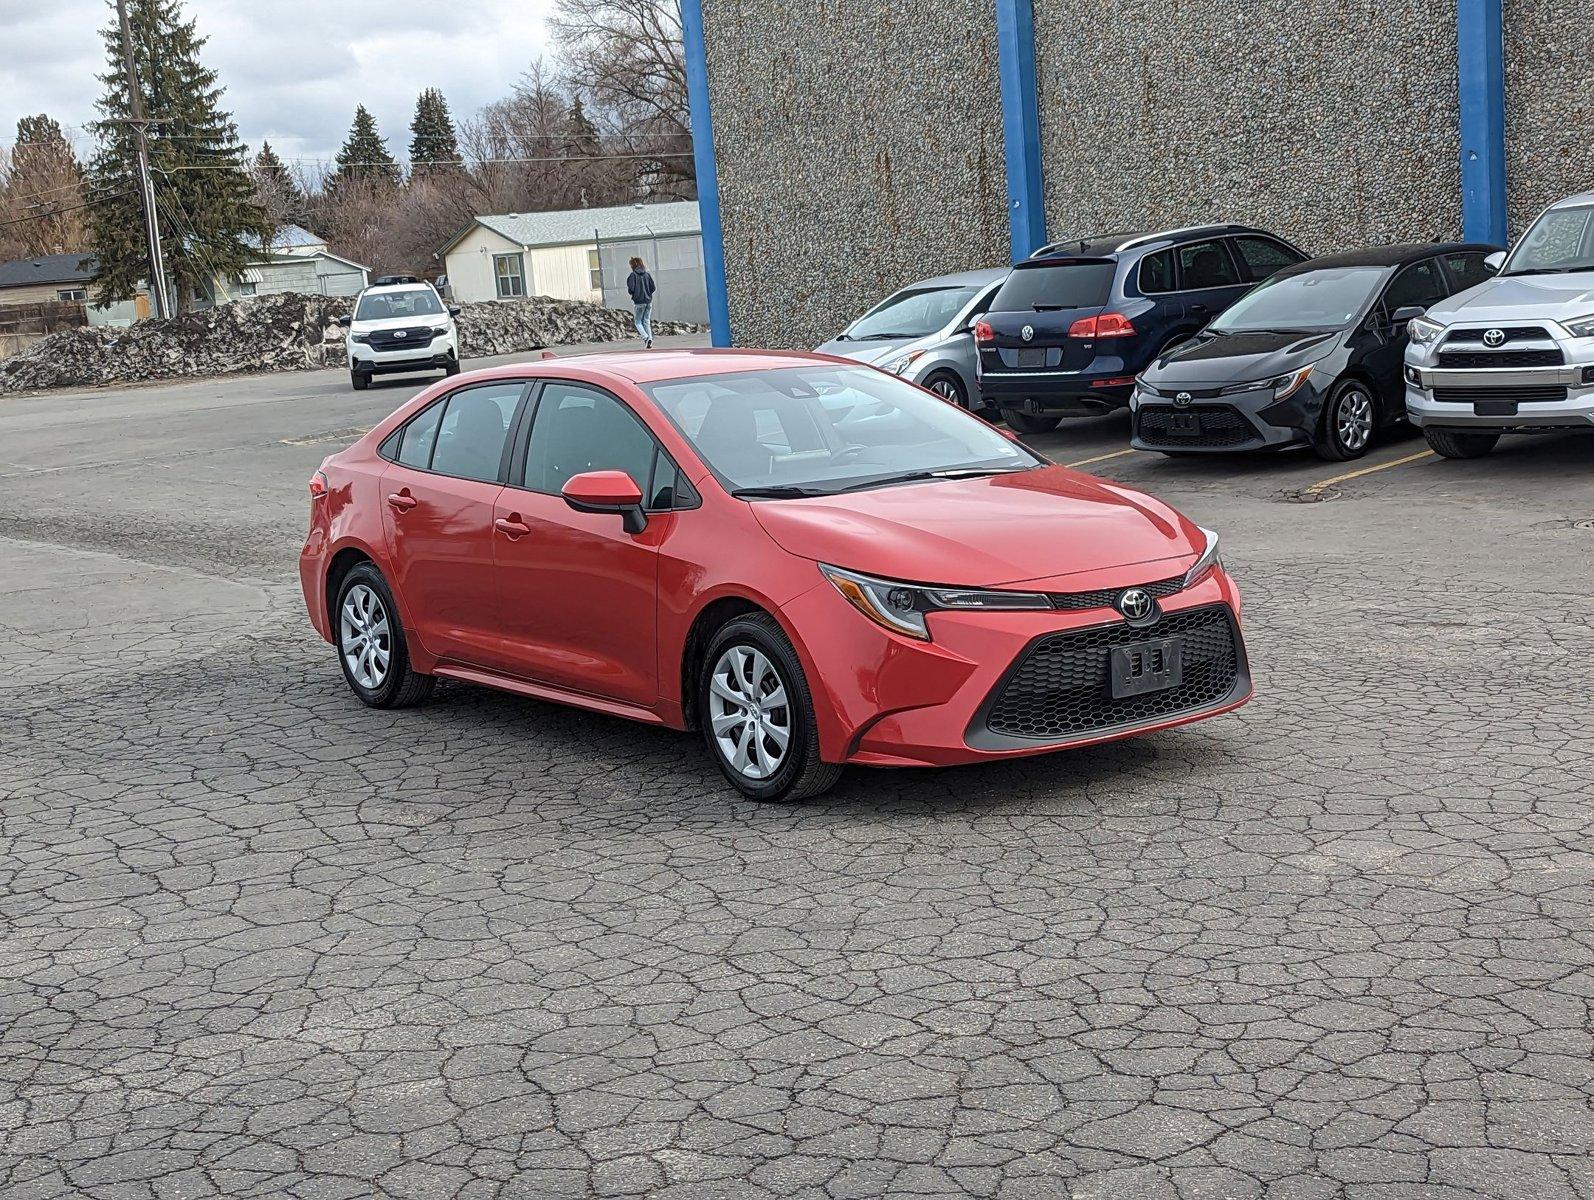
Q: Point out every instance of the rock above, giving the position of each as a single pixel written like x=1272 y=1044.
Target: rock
x=288 y=332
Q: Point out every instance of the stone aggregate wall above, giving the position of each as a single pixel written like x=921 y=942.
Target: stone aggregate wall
x=859 y=148
x=1549 y=114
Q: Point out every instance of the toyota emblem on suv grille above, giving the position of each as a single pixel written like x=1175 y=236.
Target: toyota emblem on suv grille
x=1136 y=604
x=1183 y=399
x=1494 y=337
x=1027 y=333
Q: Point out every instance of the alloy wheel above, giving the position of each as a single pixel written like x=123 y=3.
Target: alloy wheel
x=365 y=636
x=749 y=712
x=1353 y=419
x=945 y=389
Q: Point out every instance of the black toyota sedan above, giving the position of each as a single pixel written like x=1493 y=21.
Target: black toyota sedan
x=1310 y=357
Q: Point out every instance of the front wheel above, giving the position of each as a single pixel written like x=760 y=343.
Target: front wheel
x=360 y=379
x=949 y=387
x=371 y=646
x=451 y=367
x=1349 y=420
x=1024 y=423
x=1452 y=443
x=758 y=715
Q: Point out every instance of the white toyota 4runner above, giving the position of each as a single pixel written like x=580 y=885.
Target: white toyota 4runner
x=400 y=325
x=1514 y=354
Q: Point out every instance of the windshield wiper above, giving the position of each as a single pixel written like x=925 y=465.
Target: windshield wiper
x=1051 y=307
x=1549 y=270
x=919 y=476
x=781 y=492
x=893 y=336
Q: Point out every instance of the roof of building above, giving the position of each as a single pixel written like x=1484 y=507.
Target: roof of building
x=289 y=236
x=582 y=226
x=76 y=267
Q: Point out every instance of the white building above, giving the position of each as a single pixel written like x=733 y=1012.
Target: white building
x=571 y=255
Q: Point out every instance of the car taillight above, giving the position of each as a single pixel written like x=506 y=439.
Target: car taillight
x=1102 y=325
x=318 y=485
x=983 y=333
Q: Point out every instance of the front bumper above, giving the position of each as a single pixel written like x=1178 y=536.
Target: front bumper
x=436 y=354
x=1226 y=424
x=1502 y=399
x=887 y=701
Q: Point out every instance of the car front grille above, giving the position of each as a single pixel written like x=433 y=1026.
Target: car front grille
x=1500 y=395
x=1061 y=688
x=1485 y=359
x=1107 y=597
x=1216 y=426
x=1513 y=333
x=416 y=338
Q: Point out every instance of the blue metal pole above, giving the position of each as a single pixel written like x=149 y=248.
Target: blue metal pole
x=708 y=186
x=1480 y=46
x=1021 y=125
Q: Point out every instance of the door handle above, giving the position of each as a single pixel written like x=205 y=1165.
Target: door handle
x=402 y=501
x=1198 y=308
x=511 y=527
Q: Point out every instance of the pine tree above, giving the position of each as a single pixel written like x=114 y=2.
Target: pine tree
x=42 y=192
x=270 y=171
x=433 y=146
x=276 y=190
x=364 y=157
x=204 y=198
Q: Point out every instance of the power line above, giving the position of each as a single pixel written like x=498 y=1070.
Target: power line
x=55 y=212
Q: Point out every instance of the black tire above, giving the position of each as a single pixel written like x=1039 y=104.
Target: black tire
x=1024 y=423
x=1349 y=423
x=360 y=379
x=1454 y=443
x=451 y=367
x=401 y=685
x=949 y=387
x=800 y=774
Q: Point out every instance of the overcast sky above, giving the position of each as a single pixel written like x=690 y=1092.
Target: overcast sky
x=293 y=69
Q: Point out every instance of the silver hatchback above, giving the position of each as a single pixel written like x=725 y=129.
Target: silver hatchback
x=925 y=333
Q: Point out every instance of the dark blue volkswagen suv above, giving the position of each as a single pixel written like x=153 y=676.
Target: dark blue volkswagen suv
x=1074 y=324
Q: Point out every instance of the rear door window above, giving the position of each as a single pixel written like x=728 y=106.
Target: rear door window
x=1207 y=265
x=1263 y=257
x=1156 y=273
x=475 y=425
x=1083 y=283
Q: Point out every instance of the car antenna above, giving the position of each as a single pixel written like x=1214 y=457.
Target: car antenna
x=546 y=355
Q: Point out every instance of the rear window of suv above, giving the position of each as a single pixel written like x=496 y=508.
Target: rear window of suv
x=1081 y=283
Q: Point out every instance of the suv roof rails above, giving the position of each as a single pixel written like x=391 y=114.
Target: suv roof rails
x=388 y=280
x=1142 y=239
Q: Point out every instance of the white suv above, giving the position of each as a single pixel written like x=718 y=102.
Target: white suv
x=1514 y=354
x=400 y=325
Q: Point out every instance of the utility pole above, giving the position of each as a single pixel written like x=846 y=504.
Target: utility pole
x=146 y=186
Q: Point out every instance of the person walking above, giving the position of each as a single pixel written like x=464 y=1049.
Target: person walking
x=641 y=286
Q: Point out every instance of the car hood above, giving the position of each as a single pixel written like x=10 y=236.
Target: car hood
x=1238 y=358
x=874 y=353
x=436 y=320
x=1513 y=297
x=1002 y=529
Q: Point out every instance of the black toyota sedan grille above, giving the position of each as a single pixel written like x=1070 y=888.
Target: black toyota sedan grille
x=1107 y=597
x=1211 y=427
x=1061 y=688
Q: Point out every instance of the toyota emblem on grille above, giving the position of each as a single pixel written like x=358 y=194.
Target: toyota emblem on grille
x=1183 y=399
x=400 y=333
x=1027 y=333
x=1135 y=603
x=1494 y=337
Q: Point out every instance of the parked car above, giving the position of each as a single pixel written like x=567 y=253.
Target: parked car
x=925 y=333
x=1074 y=324
x=692 y=540
x=400 y=327
x=1514 y=354
x=1312 y=357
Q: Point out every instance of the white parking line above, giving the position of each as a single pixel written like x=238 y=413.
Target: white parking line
x=1085 y=462
x=1322 y=486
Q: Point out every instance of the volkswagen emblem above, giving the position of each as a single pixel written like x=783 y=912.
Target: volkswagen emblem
x=1136 y=604
x=400 y=334
x=1027 y=333
x=1494 y=337
x=1182 y=400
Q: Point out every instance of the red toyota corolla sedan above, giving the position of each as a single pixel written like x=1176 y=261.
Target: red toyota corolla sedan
x=810 y=560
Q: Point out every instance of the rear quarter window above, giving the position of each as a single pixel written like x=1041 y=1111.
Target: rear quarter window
x=1082 y=284
x=1156 y=273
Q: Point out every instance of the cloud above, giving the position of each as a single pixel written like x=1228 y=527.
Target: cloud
x=293 y=70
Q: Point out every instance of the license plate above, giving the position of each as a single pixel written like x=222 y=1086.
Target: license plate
x=1032 y=358
x=1142 y=667
x=1184 y=424
x=1495 y=408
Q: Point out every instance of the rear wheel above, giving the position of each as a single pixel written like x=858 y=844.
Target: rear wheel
x=949 y=387
x=360 y=379
x=1349 y=420
x=1020 y=422
x=1453 y=443
x=758 y=715
x=371 y=647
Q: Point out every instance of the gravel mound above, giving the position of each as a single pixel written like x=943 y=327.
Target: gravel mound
x=287 y=332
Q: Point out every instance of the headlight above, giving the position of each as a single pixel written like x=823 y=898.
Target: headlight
x=899 y=366
x=362 y=338
x=1581 y=327
x=1288 y=385
x=900 y=607
x=1207 y=563
x=1422 y=331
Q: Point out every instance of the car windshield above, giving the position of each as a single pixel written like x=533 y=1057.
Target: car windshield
x=1082 y=283
x=1562 y=240
x=1328 y=298
x=382 y=306
x=911 y=313
x=819 y=430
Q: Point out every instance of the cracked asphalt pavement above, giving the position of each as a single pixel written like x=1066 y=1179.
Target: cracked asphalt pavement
x=260 y=941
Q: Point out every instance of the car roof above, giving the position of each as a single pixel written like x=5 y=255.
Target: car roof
x=1576 y=201
x=399 y=287
x=657 y=366
x=1386 y=256
x=1102 y=244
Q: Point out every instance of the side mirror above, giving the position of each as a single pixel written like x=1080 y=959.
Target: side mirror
x=607 y=492
x=345 y=321
x=1495 y=261
x=1409 y=313
x=453 y=310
